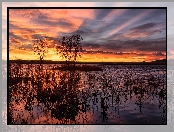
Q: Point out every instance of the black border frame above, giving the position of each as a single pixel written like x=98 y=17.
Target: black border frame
x=8 y=8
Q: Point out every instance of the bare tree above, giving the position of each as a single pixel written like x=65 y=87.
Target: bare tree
x=70 y=47
x=40 y=47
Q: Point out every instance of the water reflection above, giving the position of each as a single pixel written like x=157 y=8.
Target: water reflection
x=116 y=95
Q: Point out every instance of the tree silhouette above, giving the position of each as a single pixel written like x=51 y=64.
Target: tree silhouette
x=40 y=47
x=70 y=47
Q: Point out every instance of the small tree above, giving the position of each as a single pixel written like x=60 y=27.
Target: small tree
x=40 y=47
x=70 y=47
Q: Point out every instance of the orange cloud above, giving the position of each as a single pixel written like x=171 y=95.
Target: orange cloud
x=24 y=20
x=71 y=13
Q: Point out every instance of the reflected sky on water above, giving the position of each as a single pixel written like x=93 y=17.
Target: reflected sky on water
x=120 y=94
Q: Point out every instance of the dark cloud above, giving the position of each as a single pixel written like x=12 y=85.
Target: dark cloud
x=113 y=45
x=12 y=26
x=146 y=45
x=16 y=37
x=131 y=45
x=62 y=23
x=133 y=12
x=143 y=27
x=148 y=28
x=100 y=14
x=158 y=14
x=26 y=46
x=91 y=45
x=79 y=31
x=155 y=15
x=14 y=40
x=141 y=31
x=46 y=22
x=140 y=54
x=42 y=16
x=88 y=31
x=84 y=31
x=158 y=46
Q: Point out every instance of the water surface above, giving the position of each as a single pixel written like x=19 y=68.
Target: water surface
x=120 y=94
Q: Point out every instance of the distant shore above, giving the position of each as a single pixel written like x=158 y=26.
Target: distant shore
x=162 y=62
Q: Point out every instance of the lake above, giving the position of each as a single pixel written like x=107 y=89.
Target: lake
x=119 y=94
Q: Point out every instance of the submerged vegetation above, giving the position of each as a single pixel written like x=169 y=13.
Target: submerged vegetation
x=108 y=96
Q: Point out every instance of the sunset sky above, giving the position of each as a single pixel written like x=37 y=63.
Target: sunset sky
x=108 y=34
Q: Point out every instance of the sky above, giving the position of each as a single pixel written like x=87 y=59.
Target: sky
x=114 y=35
